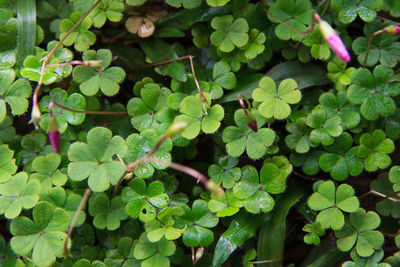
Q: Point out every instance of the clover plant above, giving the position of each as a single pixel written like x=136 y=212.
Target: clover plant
x=207 y=133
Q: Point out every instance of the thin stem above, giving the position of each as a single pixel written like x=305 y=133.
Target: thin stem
x=51 y=109
x=380 y=195
x=75 y=219
x=47 y=57
x=130 y=167
x=266 y=261
x=195 y=79
x=74 y=62
x=90 y=112
x=243 y=99
x=369 y=44
x=325 y=8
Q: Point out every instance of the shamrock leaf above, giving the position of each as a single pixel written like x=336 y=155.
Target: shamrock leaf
x=109 y=9
x=7 y=164
x=314 y=231
x=144 y=110
x=7 y=132
x=308 y=161
x=94 y=160
x=47 y=173
x=349 y=9
x=141 y=201
x=342 y=159
x=153 y=254
x=331 y=202
x=275 y=102
x=197 y=219
x=340 y=105
x=73 y=101
x=33 y=144
x=299 y=137
x=319 y=47
x=374 y=149
x=106 y=214
x=361 y=233
x=229 y=33
x=394 y=177
x=217 y=2
x=226 y=206
x=14 y=93
x=373 y=92
x=325 y=127
x=242 y=138
x=201 y=35
x=383 y=185
x=18 y=193
x=44 y=237
x=392 y=6
x=253 y=191
x=339 y=74
x=103 y=78
x=255 y=45
x=197 y=118
x=140 y=145
x=163 y=225
x=33 y=64
x=223 y=76
x=249 y=257
x=383 y=48
x=81 y=36
x=372 y=260
x=187 y=4
x=273 y=174
x=69 y=201
x=226 y=172
x=122 y=255
x=296 y=13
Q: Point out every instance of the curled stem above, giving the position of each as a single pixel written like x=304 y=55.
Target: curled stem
x=369 y=44
x=75 y=219
x=90 y=112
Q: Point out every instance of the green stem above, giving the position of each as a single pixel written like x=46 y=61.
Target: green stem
x=90 y=112
x=369 y=44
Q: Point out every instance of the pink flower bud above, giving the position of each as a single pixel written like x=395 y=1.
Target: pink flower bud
x=53 y=131
x=199 y=254
x=333 y=39
x=393 y=30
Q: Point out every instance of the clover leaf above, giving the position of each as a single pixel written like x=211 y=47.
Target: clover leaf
x=314 y=231
x=372 y=260
x=106 y=213
x=109 y=9
x=325 y=127
x=7 y=164
x=275 y=102
x=7 y=131
x=154 y=254
x=103 y=78
x=201 y=35
x=217 y=2
x=18 y=193
x=361 y=233
x=342 y=159
x=374 y=149
x=163 y=225
x=383 y=48
x=339 y=74
x=64 y=117
x=229 y=33
x=144 y=109
x=81 y=36
x=94 y=160
x=394 y=177
x=197 y=219
x=240 y=138
x=308 y=161
x=228 y=205
x=122 y=255
x=14 y=93
x=383 y=185
x=296 y=13
x=253 y=191
x=44 y=237
x=331 y=201
x=319 y=47
x=141 y=201
x=47 y=173
x=33 y=144
x=141 y=144
x=274 y=172
x=373 y=92
x=349 y=9
x=33 y=64
x=299 y=137
x=223 y=76
x=340 y=105
x=187 y=4
x=195 y=115
x=226 y=172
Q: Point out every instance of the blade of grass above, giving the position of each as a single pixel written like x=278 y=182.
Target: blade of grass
x=26 y=28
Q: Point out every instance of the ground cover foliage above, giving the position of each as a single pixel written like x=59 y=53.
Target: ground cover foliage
x=216 y=132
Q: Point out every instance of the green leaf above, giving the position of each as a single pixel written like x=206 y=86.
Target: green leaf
x=26 y=29
x=106 y=215
x=81 y=37
x=7 y=164
x=275 y=102
x=44 y=236
x=348 y=10
x=94 y=159
x=229 y=34
x=217 y=2
x=325 y=128
x=225 y=173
